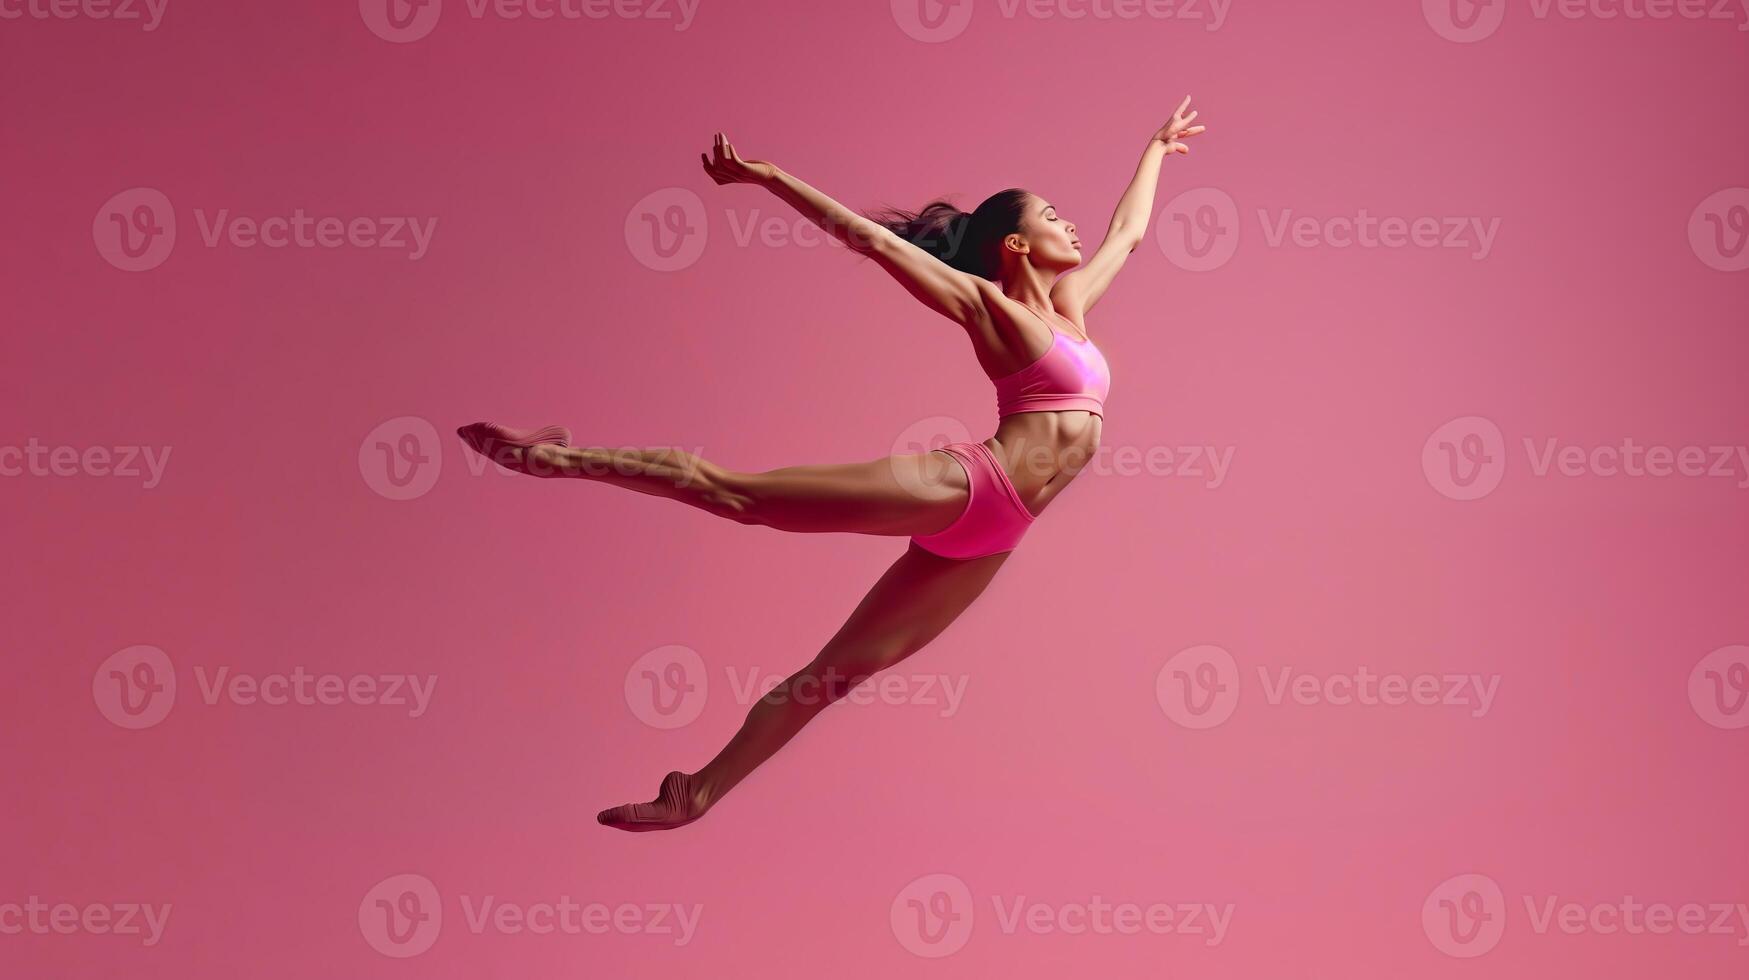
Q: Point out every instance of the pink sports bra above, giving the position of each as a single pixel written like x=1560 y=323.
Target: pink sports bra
x=1071 y=376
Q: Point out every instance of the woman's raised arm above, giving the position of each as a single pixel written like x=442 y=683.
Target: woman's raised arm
x=1077 y=291
x=944 y=289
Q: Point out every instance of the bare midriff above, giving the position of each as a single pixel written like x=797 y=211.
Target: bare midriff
x=1043 y=451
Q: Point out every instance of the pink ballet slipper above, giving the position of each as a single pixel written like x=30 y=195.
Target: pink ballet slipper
x=676 y=805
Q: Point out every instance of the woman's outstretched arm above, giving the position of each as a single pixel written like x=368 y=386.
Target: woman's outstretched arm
x=1078 y=290
x=941 y=287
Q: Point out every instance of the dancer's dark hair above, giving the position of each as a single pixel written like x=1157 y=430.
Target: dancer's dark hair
x=969 y=241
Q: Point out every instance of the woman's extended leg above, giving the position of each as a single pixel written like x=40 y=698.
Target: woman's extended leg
x=911 y=494
x=911 y=604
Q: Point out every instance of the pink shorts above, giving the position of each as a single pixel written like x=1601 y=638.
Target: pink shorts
x=994 y=519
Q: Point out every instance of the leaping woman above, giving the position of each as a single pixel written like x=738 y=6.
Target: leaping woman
x=1010 y=274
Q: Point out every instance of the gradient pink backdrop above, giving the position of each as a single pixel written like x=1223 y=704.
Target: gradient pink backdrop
x=1324 y=371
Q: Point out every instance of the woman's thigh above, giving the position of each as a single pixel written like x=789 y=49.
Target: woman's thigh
x=909 y=494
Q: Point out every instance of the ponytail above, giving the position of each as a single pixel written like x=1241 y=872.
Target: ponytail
x=967 y=241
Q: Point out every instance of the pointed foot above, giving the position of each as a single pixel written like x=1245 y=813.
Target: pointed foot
x=678 y=803
x=509 y=447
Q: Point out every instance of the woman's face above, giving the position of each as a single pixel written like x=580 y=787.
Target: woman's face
x=1050 y=238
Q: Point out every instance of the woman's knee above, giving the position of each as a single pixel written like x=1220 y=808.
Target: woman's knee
x=836 y=672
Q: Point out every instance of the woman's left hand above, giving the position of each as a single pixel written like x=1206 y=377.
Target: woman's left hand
x=1178 y=129
x=729 y=168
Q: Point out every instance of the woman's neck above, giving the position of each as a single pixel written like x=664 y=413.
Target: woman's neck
x=1030 y=287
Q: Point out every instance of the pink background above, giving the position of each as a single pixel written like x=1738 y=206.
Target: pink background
x=1324 y=370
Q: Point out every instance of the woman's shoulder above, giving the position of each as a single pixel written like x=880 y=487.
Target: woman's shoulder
x=1070 y=310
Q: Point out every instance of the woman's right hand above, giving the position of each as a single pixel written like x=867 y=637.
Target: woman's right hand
x=1177 y=128
x=729 y=168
